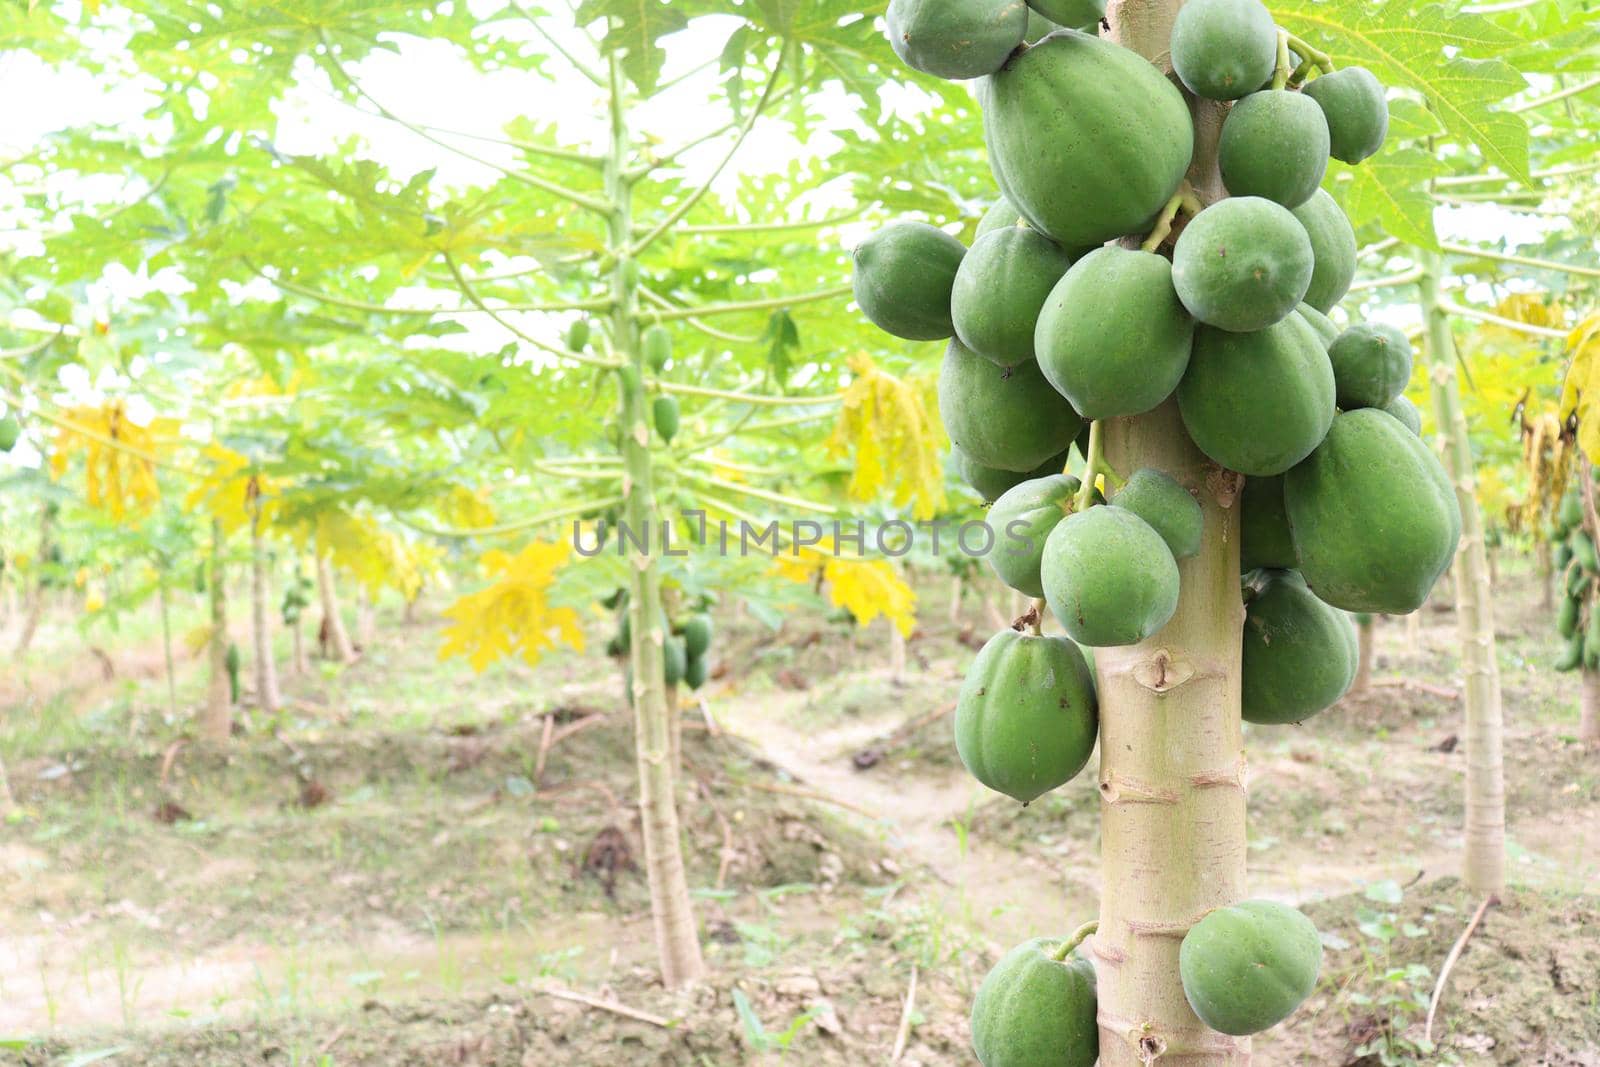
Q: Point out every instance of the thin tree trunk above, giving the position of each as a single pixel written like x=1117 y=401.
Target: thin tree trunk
x=216 y=718
x=166 y=647
x=267 y=696
x=366 y=617
x=671 y=909
x=1547 y=585
x=1494 y=564
x=340 y=648
x=897 y=654
x=35 y=608
x=1364 y=630
x=1589 y=709
x=992 y=610
x=298 y=632
x=1484 y=867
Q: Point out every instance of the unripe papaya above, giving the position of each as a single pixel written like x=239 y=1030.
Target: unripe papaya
x=1108 y=577
x=1571 y=513
x=1002 y=215
x=1583 y=551
x=578 y=335
x=1324 y=326
x=956 y=39
x=231 y=661
x=1591 y=641
x=1333 y=249
x=990 y=483
x=1300 y=655
x=1022 y=520
x=1078 y=14
x=1578 y=581
x=1038 y=26
x=1258 y=403
x=902 y=280
x=1026 y=716
x=1353 y=101
x=1157 y=498
x=1567 y=616
x=1011 y=419
x=1248 y=966
x=1274 y=144
x=1406 y=412
x=10 y=430
x=1074 y=175
x=999 y=288
x=674 y=660
x=697 y=634
x=657 y=343
x=1112 y=336
x=1242 y=264
x=1374 y=516
x=665 y=411
x=695 y=671
x=1223 y=49
x=1264 y=537
x=1033 y=1010
x=1371 y=365
x=1571 y=657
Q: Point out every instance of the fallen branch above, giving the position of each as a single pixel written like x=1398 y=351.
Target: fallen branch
x=1450 y=961
x=607 y=1005
x=904 y=1032
x=1439 y=691
x=808 y=794
x=546 y=739
x=169 y=759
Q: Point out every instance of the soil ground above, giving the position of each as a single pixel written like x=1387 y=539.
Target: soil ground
x=390 y=872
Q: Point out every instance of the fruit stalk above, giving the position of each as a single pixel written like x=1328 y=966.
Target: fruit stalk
x=1484 y=865
x=1171 y=749
x=672 y=912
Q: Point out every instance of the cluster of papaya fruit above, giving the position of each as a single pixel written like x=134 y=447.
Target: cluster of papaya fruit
x=656 y=344
x=1101 y=285
x=1575 y=558
x=685 y=655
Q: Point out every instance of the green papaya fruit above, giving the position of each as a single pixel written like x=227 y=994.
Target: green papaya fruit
x=1108 y=577
x=1038 y=26
x=1371 y=365
x=657 y=344
x=1353 y=101
x=956 y=39
x=1022 y=520
x=697 y=634
x=615 y=647
x=10 y=430
x=695 y=671
x=1248 y=966
x=578 y=335
x=1242 y=264
x=1563 y=556
x=615 y=599
x=1591 y=642
x=1374 y=516
x=1112 y=336
x=1002 y=215
x=1300 y=655
x=1075 y=176
x=1578 y=582
x=1333 y=249
x=1571 y=657
x=1258 y=403
x=1079 y=14
x=1026 y=716
x=1567 y=616
x=1583 y=551
x=665 y=411
x=1157 y=498
x=1274 y=144
x=231 y=662
x=1264 y=537
x=1006 y=418
x=1571 y=513
x=1223 y=49
x=200 y=580
x=674 y=659
x=1001 y=285
x=902 y=279
x=991 y=483
x=1403 y=409
x=1034 y=1010
x=1324 y=326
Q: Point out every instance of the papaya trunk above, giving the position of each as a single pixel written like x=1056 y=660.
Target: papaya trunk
x=1363 y=680
x=671 y=910
x=1547 y=585
x=1494 y=565
x=297 y=633
x=339 y=646
x=1484 y=866
x=216 y=720
x=1589 y=709
x=36 y=598
x=366 y=618
x=267 y=697
x=166 y=647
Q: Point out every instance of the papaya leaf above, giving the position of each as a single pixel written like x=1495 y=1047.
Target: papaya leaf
x=1391 y=190
x=885 y=421
x=513 y=616
x=1580 y=393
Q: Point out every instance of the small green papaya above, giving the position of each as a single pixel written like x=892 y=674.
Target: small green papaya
x=674 y=659
x=1571 y=657
x=231 y=662
x=999 y=288
x=991 y=483
x=696 y=670
x=615 y=647
x=1075 y=176
x=956 y=39
x=1002 y=215
x=1223 y=49
x=10 y=430
x=1300 y=655
x=1034 y=1010
x=1567 y=616
x=1371 y=365
x=1374 y=516
x=1248 y=966
x=902 y=280
x=625 y=630
x=1563 y=556
x=1258 y=403
x=665 y=412
x=1157 y=498
x=1038 y=26
x=697 y=634
x=1274 y=144
x=1324 y=326
x=578 y=335
x=1571 y=512
x=1022 y=520
x=1578 y=581
x=1079 y=14
x=1264 y=537
x=1403 y=409
x=1006 y=418
x=1333 y=249
x=657 y=344
x=1112 y=336
x=1353 y=101
x=1583 y=551
x=1242 y=264
x=200 y=582
x=1591 y=641
x=1108 y=577
x=1026 y=716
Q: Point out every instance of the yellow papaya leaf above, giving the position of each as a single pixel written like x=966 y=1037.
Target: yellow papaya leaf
x=467 y=509
x=513 y=615
x=1536 y=309
x=225 y=491
x=1580 y=392
x=119 y=456
x=868 y=588
x=897 y=441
